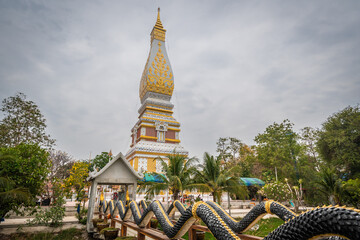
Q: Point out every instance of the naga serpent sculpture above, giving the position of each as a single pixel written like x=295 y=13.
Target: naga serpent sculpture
x=327 y=222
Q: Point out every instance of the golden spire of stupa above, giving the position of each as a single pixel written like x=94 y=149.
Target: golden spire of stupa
x=158 y=31
x=158 y=23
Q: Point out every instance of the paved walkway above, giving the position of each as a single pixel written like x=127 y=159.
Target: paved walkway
x=18 y=224
x=13 y=227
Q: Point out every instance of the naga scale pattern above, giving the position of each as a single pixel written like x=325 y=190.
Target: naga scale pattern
x=327 y=222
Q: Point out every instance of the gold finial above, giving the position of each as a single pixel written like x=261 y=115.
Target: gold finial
x=158 y=31
x=158 y=21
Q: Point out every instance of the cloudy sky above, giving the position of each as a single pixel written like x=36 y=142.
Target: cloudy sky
x=239 y=66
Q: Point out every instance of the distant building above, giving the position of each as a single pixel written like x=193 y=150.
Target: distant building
x=156 y=133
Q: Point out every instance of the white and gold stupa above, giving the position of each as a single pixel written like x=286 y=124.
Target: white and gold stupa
x=156 y=133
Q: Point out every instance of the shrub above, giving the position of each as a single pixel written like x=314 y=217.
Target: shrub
x=277 y=190
x=50 y=217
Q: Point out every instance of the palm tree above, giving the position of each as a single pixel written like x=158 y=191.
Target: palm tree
x=212 y=177
x=330 y=185
x=11 y=197
x=176 y=176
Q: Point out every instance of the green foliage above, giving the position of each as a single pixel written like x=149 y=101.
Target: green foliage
x=330 y=185
x=100 y=161
x=50 y=217
x=54 y=215
x=12 y=198
x=25 y=164
x=278 y=147
x=246 y=160
x=177 y=170
x=351 y=192
x=23 y=123
x=233 y=152
x=77 y=180
x=222 y=147
x=228 y=148
x=212 y=176
x=339 y=141
x=83 y=221
x=81 y=216
x=309 y=137
x=277 y=191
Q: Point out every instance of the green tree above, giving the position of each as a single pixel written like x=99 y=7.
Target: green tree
x=278 y=147
x=235 y=146
x=23 y=123
x=77 y=182
x=351 y=189
x=100 y=161
x=222 y=147
x=309 y=137
x=212 y=177
x=176 y=177
x=246 y=160
x=233 y=152
x=11 y=197
x=339 y=141
x=54 y=215
x=330 y=185
x=27 y=165
x=23 y=173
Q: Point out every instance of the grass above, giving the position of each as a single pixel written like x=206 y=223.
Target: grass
x=208 y=236
x=265 y=227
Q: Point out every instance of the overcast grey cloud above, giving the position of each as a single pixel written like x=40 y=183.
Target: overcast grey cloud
x=239 y=66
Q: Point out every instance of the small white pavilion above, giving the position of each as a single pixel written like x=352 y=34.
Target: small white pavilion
x=117 y=172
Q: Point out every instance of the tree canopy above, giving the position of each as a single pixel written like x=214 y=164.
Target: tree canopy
x=100 y=161
x=228 y=148
x=278 y=147
x=339 y=141
x=23 y=123
x=212 y=176
x=77 y=180
x=11 y=196
x=23 y=172
x=26 y=165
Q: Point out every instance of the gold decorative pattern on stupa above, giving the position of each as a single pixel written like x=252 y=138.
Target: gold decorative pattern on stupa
x=156 y=132
x=158 y=31
x=159 y=77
